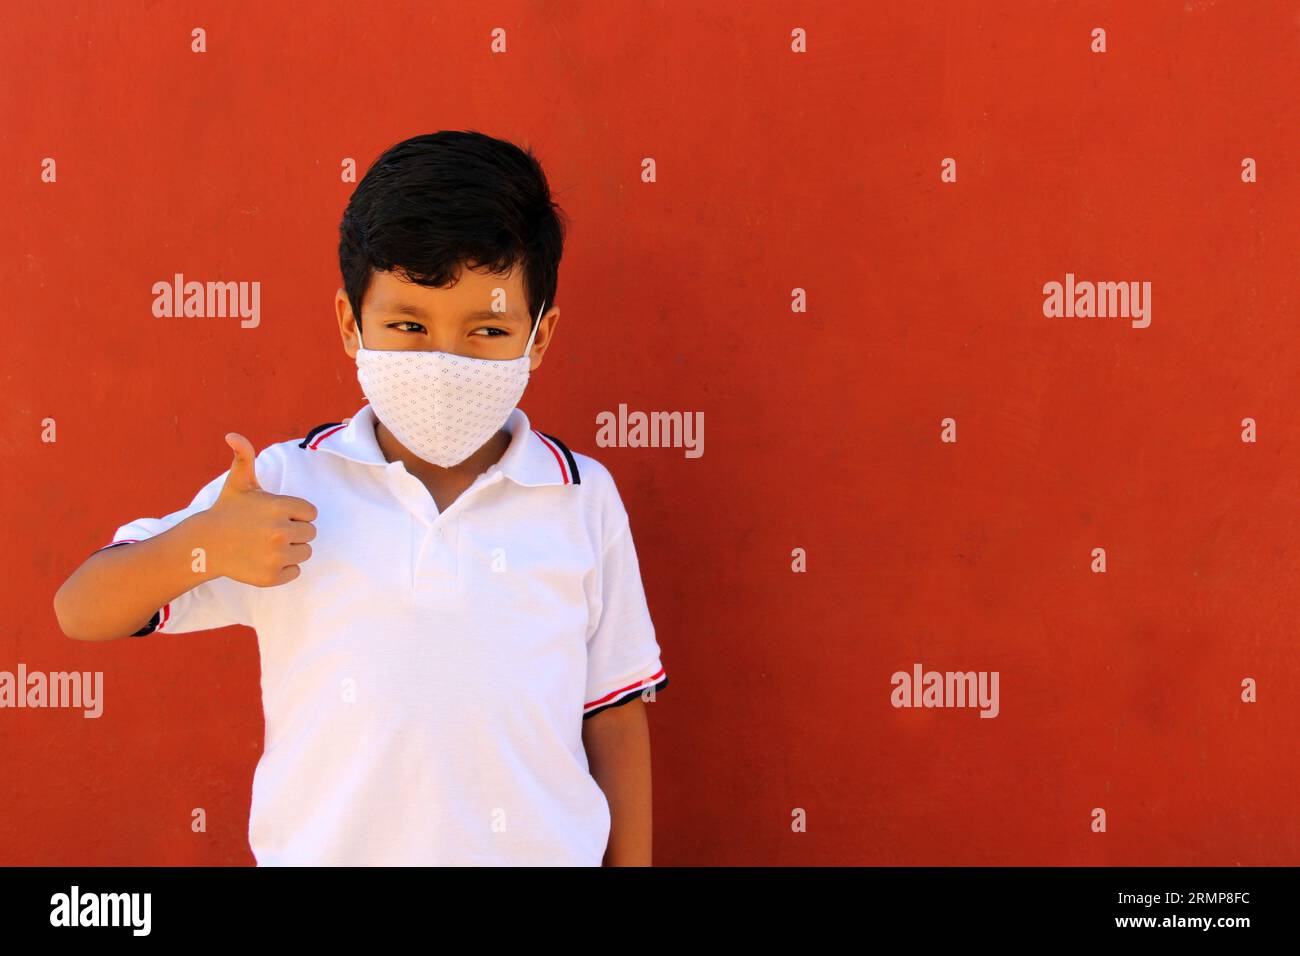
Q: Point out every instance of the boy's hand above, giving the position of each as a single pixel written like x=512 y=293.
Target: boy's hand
x=252 y=535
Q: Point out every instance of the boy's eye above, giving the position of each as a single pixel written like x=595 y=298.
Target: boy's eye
x=416 y=327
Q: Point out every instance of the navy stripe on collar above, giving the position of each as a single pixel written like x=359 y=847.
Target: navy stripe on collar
x=568 y=457
x=316 y=431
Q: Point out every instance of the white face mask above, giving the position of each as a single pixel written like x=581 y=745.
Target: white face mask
x=443 y=407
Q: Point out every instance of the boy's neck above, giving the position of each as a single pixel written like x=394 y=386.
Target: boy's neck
x=464 y=473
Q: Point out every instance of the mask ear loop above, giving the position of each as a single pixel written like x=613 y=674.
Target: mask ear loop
x=536 y=325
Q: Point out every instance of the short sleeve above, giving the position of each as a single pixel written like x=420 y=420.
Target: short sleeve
x=622 y=653
x=220 y=602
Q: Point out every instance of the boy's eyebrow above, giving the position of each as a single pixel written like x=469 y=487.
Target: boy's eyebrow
x=407 y=308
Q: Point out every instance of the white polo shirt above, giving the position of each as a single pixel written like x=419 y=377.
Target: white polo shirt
x=426 y=677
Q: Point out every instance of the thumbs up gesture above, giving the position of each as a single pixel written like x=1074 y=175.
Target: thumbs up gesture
x=254 y=536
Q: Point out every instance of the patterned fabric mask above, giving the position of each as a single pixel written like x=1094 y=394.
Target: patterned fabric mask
x=441 y=406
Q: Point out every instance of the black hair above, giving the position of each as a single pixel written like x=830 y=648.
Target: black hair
x=437 y=201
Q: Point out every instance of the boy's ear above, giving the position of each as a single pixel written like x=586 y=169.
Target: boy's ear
x=542 y=341
x=347 y=322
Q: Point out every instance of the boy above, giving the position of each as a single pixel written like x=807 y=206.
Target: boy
x=454 y=638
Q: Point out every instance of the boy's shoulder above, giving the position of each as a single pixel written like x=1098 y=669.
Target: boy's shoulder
x=582 y=469
x=592 y=472
x=602 y=499
x=579 y=466
x=325 y=436
x=583 y=475
x=275 y=460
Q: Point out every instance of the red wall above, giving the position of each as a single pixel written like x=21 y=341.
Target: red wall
x=776 y=171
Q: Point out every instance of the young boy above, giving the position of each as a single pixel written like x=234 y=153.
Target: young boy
x=453 y=633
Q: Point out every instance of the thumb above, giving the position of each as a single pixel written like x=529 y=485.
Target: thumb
x=243 y=474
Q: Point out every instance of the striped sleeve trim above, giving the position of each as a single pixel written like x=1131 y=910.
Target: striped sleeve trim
x=623 y=695
x=162 y=615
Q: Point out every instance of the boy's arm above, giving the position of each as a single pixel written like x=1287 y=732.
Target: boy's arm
x=623 y=663
x=250 y=536
x=617 y=741
x=116 y=591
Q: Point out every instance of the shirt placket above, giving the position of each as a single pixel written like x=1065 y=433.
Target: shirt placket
x=434 y=568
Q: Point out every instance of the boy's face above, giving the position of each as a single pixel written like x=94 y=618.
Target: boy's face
x=399 y=315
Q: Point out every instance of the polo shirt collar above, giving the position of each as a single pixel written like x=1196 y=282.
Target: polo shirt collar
x=530 y=460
